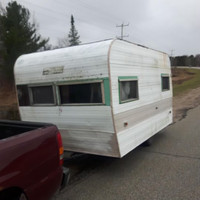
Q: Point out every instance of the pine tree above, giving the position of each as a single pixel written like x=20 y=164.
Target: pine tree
x=18 y=35
x=73 y=34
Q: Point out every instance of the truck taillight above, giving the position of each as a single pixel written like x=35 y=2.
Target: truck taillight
x=61 y=149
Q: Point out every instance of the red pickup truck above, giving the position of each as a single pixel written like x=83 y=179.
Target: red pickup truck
x=31 y=159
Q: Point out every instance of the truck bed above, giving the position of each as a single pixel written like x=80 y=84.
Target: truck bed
x=9 y=129
x=31 y=158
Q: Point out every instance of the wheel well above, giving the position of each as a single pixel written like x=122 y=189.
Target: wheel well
x=11 y=193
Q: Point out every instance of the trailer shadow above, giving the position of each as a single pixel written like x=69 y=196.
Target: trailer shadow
x=83 y=166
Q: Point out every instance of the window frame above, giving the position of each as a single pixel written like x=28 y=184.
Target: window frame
x=128 y=78
x=162 y=76
x=42 y=85
x=79 y=82
x=28 y=95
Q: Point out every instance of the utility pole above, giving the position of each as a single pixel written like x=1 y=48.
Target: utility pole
x=172 y=52
x=122 y=30
x=172 y=59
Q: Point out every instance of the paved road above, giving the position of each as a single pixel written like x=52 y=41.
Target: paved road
x=169 y=169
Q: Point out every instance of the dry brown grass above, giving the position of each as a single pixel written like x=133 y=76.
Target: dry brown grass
x=181 y=75
x=8 y=99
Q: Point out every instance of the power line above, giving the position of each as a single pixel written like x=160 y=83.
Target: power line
x=122 y=30
x=93 y=10
x=59 y=14
x=100 y=12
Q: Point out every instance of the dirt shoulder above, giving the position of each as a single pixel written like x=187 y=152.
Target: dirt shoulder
x=179 y=75
x=188 y=99
x=184 y=102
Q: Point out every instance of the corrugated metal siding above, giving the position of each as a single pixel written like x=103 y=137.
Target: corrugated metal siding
x=93 y=142
x=127 y=59
x=91 y=118
x=86 y=129
x=79 y=62
x=138 y=115
x=134 y=136
x=90 y=129
x=147 y=65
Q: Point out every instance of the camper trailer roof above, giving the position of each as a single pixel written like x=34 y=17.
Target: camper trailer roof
x=83 y=61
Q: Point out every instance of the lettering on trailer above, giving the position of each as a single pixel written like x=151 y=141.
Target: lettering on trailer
x=53 y=70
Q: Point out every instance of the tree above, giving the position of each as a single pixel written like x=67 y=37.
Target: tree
x=186 y=60
x=197 y=60
x=73 y=34
x=191 y=61
x=18 y=35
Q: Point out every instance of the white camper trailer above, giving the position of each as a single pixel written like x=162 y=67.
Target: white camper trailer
x=106 y=97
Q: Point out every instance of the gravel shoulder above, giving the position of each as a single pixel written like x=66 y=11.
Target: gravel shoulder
x=184 y=102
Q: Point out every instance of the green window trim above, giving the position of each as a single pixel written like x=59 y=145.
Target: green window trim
x=106 y=84
x=57 y=101
x=127 y=78
x=165 y=75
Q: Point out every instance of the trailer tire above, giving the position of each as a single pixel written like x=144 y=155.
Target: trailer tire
x=13 y=194
x=22 y=197
x=148 y=142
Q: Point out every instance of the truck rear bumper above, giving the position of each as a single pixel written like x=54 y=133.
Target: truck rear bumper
x=65 y=178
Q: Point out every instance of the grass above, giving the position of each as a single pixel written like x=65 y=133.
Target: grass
x=192 y=83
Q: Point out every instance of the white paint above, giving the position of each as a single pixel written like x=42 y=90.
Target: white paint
x=88 y=118
x=127 y=59
x=134 y=136
x=87 y=129
x=90 y=129
x=79 y=62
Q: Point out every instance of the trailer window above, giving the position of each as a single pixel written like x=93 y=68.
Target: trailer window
x=23 y=95
x=165 y=83
x=42 y=95
x=128 y=90
x=85 y=93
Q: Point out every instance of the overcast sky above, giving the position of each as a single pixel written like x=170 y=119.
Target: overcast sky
x=160 y=24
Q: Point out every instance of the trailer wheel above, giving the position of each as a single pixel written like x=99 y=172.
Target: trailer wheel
x=22 y=197
x=148 y=142
x=13 y=194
